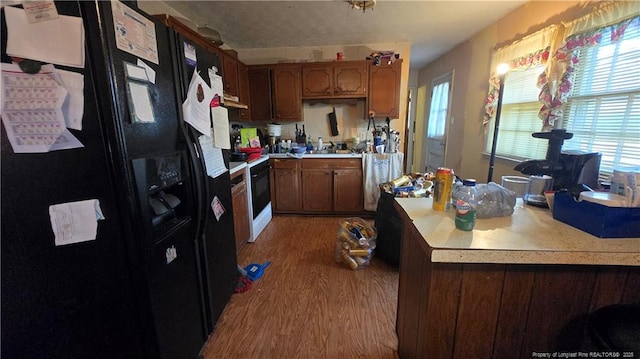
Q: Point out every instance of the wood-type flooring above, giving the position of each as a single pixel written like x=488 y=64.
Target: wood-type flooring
x=306 y=305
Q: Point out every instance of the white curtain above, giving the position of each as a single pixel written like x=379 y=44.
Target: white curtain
x=521 y=49
x=611 y=12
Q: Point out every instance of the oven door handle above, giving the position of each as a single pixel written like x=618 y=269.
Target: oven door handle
x=261 y=173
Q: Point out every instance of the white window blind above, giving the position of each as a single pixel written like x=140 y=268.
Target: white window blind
x=519 y=117
x=603 y=109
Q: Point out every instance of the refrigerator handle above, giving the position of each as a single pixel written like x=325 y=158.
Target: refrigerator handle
x=197 y=163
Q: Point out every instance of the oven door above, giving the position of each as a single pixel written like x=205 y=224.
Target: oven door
x=260 y=192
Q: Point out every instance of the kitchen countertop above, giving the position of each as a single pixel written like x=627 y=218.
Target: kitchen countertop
x=529 y=236
x=236 y=166
x=315 y=155
x=257 y=161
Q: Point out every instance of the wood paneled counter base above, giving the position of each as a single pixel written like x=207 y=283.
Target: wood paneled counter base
x=513 y=286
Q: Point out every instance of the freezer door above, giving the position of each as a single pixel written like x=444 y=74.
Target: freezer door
x=216 y=238
x=75 y=300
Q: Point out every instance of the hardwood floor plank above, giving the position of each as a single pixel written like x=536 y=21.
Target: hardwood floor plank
x=306 y=305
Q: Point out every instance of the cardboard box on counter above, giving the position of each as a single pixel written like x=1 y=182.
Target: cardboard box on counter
x=599 y=220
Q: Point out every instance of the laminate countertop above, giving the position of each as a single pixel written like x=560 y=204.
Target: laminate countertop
x=529 y=236
x=315 y=155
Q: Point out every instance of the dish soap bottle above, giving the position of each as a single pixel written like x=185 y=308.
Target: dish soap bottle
x=466 y=203
x=309 y=144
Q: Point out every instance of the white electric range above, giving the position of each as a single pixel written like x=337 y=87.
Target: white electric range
x=259 y=195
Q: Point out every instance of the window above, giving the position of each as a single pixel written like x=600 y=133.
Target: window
x=597 y=97
x=527 y=59
x=603 y=107
x=437 y=122
x=519 y=117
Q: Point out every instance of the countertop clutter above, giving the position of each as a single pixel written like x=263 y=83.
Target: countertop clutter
x=529 y=236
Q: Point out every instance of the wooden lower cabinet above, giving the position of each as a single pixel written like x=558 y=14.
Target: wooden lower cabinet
x=285 y=185
x=317 y=185
x=468 y=310
x=240 y=203
x=348 y=191
x=316 y=190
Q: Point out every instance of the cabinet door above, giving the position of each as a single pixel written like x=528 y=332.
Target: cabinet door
x=285 y=189
x=316 y=190
x=244 y=96
x=260 y=93
x=241 y=215
x=287 y=92
x=317 y=80
x=230 y=75
x=384 y=89
x=350 y=79
x=348 y=195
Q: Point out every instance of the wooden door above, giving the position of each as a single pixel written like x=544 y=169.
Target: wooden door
x=285 y=185
x=241 y=223
x=260 y=93
x=348 y=195
x=350 y=79
x=244 y=95
x=287 y=92
x=437 y=123
x=316 y=190
x=230 y=75
x=317 y=80
x=384 y=90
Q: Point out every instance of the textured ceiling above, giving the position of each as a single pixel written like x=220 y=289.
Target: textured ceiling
x=432 y=27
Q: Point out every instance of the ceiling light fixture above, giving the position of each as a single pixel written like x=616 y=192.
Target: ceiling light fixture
x=362 y=5
x=211 y=35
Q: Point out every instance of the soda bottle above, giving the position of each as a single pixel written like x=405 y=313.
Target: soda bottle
x=466 y=202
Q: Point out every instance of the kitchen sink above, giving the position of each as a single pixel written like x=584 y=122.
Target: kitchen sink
x=321 y=152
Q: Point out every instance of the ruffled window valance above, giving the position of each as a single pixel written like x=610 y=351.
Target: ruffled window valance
x=608 y=21
x=531 y=51
x=567 y=54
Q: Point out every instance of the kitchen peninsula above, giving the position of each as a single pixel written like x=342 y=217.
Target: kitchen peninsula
x=513 y=286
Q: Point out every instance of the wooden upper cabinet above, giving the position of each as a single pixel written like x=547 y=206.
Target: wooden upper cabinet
x=317 y=80
x=350 y=79
x=384 y=89
x=334 y=79
x=186 y=31
x=260 y=92
x=230 y=75
x=287 y=92
x=243 y=91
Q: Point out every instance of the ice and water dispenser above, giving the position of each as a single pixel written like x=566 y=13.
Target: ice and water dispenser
x=162 y=192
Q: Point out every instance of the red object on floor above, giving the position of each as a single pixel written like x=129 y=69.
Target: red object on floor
x=243 y=285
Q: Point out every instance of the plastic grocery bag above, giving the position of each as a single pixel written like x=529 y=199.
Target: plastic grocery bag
x=355 y=242
x=494 y=200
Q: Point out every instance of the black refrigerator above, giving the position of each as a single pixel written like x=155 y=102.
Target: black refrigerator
x=146 y=286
